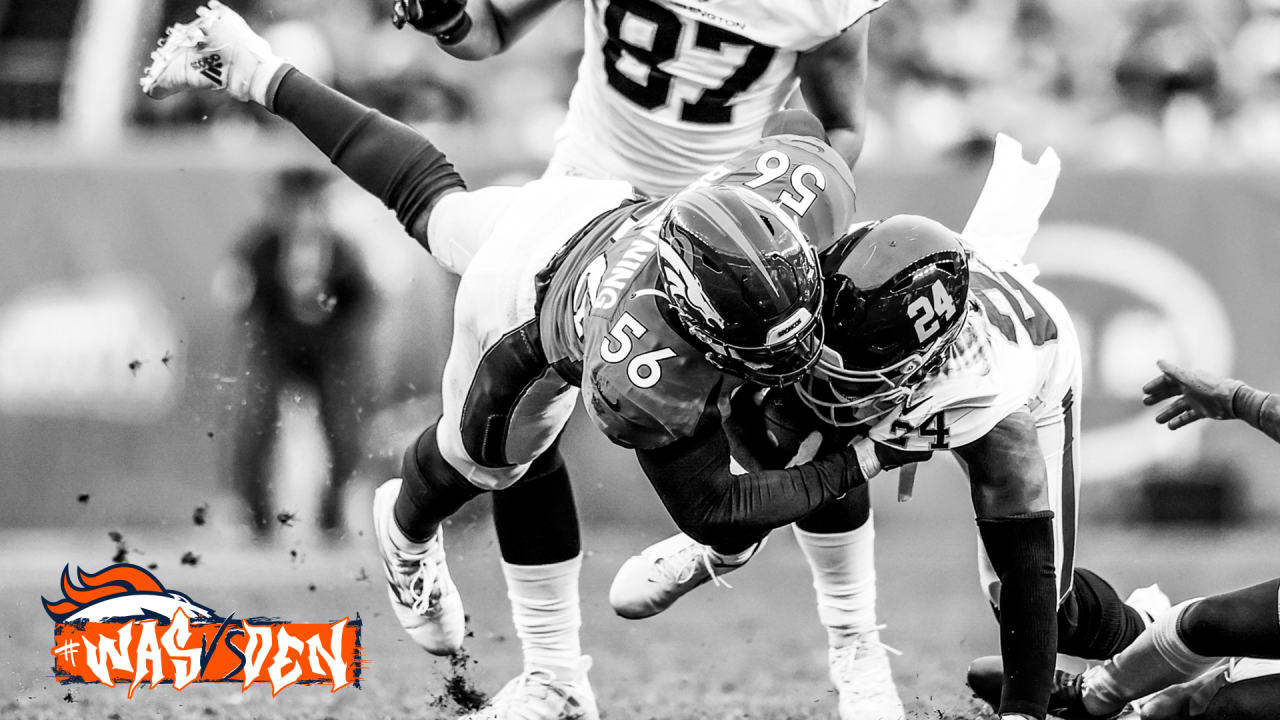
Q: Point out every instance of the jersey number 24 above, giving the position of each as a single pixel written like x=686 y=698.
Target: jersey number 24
x=712 y=106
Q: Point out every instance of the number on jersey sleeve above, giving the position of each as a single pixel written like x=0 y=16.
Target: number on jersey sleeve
x=1007 y=301
x=712 y=106
x=773 y=165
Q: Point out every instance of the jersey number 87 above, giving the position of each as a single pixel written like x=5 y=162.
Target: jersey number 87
x=712 y=106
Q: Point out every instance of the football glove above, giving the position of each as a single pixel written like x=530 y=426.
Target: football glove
x=447 y=20
x=1196 y=393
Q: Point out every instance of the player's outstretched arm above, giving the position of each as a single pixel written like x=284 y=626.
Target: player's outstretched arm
x=219 y=51
x=1197 y=394
x=833 y=78
x=472 y=30
x=1009 y=481
x=715 y=507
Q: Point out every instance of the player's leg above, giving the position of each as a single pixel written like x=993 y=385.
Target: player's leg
x=1253 y=699
x=256 y=426
x=838 y=541
x=341 y=390
x=1185 y=642
x=537 y=527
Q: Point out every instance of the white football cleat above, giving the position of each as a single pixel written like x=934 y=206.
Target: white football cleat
x=1149 y=601
x=540 y=695
x=650 y=582
x=216 y=51
x=423 y=596
x=860 y=671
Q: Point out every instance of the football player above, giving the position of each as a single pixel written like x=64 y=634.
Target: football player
x=657 y=310
x=931 y=344
x=666 y=91
x=1191 y=642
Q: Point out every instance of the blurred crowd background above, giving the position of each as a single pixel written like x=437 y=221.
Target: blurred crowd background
x=127 y=341
x=1131 y=83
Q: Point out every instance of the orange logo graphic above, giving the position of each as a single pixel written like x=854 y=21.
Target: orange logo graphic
x=121 y=625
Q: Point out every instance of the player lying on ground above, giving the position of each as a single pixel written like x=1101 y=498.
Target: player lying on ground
x=932 y=345
x=665 y=92
x=1191 y=641
x=657 y=309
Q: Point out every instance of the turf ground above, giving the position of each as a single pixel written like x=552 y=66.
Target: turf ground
x=755 y=651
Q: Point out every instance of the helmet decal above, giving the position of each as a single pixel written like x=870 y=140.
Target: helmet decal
x=683 y=284
x=790 y=327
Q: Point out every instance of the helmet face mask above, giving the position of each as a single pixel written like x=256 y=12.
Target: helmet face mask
x=742 y=282
x=897 y=297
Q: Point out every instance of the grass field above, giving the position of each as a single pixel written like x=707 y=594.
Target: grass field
x=755 y=651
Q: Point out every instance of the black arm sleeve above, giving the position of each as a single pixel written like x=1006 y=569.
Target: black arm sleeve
x=716 y=507
x=385 y=157
x=1021 y=551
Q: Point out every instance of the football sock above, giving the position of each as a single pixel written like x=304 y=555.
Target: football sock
x=431 y=489
x=1021 y=552
x=1093 y=622
x=536 y=519
x=844 y=580
x=544 y=608
x=1157 y=659
x=1240 y=623
x=1252 y=699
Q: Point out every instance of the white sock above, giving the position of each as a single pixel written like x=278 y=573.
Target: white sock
x=844 y=579
x=544 y=608
x=1157 y=659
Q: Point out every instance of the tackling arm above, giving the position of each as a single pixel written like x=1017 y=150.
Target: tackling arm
x=833 y=78
x=715 y=507
x=1009 y=482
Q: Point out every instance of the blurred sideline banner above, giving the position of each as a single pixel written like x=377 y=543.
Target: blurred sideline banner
x=116 y=375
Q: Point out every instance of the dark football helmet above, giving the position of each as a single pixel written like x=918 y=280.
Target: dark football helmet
x=742 y=281
x=896 y=298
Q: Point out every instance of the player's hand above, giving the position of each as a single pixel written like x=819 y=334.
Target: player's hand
x=1196 y=394
x=445 y=19
x=891 y=457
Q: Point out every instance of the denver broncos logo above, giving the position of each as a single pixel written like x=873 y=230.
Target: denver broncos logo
x=119 y=591
x=682 y=283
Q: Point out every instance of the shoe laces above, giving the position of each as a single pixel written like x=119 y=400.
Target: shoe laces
x=420 y=591
x=844 y=657
x=680 y=567
x=512 y=703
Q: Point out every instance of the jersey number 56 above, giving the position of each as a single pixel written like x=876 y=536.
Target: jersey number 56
x=643 y=371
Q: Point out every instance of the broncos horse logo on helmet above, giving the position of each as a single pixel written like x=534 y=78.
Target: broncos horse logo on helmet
x=896 y=299
x=742 y=281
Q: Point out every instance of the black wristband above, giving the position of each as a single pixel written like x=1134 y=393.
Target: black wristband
x=457 y=32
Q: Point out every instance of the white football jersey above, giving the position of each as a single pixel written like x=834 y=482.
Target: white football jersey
x=1018 y=349
x=669 y=88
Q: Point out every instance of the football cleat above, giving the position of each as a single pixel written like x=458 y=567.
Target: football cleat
x=216 y=51
x=652 y=581
x=422 y=594
x=1066 y=695
x=540 y=695
x=860 y=671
